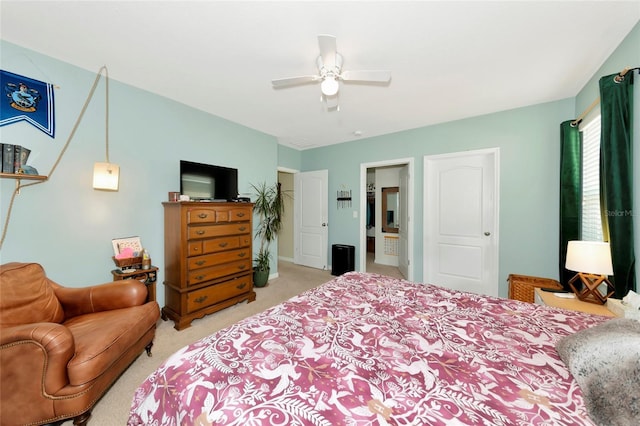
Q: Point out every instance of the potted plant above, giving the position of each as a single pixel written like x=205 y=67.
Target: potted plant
x=269 y=207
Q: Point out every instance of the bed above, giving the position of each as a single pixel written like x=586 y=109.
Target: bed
x=365 y=349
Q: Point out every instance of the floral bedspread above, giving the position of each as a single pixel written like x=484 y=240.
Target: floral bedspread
x=364 y=349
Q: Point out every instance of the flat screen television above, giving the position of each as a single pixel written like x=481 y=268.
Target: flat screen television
x=206 y=182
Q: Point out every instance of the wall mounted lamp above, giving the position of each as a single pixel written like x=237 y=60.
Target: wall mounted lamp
x=592 y=262
x=106 y=175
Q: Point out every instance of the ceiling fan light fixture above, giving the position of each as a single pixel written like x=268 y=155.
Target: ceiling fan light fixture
x=329 y=86
x=330 y=73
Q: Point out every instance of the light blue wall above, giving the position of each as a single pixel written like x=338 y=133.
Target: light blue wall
x=66 y=225
x=529 y=154
x=289 y=158
x=627 y=54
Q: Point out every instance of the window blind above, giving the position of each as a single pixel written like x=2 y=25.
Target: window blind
x=591 y=218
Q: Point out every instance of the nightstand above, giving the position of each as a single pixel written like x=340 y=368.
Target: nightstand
x=548 y=298
x=147 y=277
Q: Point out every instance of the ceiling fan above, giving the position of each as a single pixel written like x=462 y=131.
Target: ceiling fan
x=330 y=72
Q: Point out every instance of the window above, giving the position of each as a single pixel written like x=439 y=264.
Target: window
x=591 y=217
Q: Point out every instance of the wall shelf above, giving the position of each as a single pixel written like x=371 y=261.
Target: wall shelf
x=22 y=176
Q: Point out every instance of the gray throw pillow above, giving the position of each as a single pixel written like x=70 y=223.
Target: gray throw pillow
x=605 y=362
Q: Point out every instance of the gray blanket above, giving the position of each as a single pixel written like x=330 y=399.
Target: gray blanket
x=605 y=361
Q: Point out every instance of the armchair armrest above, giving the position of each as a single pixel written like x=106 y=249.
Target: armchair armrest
x=103 y=297
x=35 y=354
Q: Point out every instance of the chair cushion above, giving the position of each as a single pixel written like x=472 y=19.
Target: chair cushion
x=103 y=337
x=26 y=296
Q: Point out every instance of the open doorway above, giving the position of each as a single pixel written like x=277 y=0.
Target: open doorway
x=285 y=236
x=386 y=231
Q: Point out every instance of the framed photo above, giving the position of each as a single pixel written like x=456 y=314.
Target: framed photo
x=120 y=244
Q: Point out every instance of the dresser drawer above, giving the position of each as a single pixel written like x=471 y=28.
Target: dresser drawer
x=198 y=247
x=194 y=248
x=221 y=244
x=217 y=293
x=239 y=214
x=201 y=216
x=217 y=271
x=208 y=231
x=218 y=215
x=214 y=259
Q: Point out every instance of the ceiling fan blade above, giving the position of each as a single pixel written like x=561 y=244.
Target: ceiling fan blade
x=292 y=81
x=374 y=75
x=327 y=45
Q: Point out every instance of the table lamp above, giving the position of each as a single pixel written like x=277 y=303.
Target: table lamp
x=592 y=262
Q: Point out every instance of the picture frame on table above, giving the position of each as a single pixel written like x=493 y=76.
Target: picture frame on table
x=120 y=244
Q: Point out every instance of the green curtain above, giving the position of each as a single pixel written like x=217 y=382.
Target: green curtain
x=616 y=175
x=570 y=192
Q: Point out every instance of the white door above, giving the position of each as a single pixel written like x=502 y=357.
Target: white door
x=310 y=218
x=403 y=243
x=461 y=221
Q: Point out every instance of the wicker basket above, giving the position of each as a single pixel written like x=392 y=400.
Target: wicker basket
x=128 y=262
x=522 y=287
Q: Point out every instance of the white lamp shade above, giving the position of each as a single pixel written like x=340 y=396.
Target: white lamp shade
x=329 y=86
x=589 y=257
x=106 y=176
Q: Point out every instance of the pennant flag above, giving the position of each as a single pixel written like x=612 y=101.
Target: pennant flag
x=26 y=99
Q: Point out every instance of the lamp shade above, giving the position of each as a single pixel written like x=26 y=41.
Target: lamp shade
x=589 y=257
x=106 y=176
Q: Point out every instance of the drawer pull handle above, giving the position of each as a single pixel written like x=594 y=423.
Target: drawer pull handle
x=242 y=228
x=203 y=215
x=199 y=232
x=201 y=299
x=201 y=262
x=240 y=214
x=223 y=244
x=241 y=286
x=243 y=254
x=241 y=267
x=199 y=277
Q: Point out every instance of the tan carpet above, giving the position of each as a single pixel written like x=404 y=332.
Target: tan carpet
x=113 y=408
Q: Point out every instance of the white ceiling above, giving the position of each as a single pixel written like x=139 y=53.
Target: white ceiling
x=448 y=59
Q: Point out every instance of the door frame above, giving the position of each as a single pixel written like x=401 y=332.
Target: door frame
x=495 y=153
x=276 y=274
x=409 y=163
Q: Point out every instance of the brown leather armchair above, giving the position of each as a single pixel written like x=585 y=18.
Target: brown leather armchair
x=61 y=348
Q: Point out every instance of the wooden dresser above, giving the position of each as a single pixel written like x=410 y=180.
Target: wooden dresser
x=207 y=258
